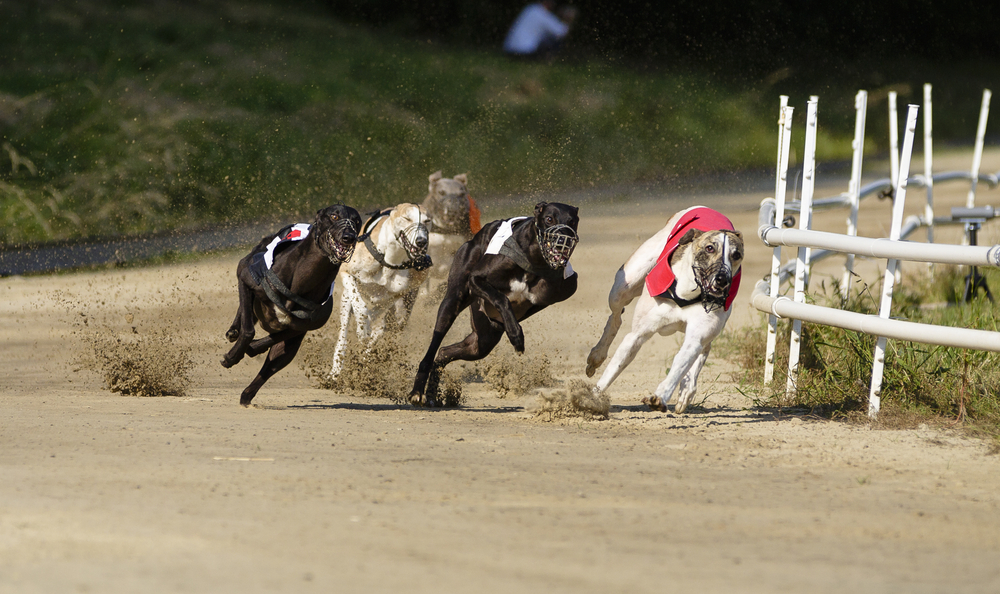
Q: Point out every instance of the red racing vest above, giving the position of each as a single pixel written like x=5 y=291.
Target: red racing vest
x=661 y=278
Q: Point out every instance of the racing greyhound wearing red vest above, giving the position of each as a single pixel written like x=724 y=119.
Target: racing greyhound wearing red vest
x=686 y=277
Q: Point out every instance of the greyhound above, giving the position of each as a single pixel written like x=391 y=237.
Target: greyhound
x=453 y=219
x=510 y=270
x=286 y=285
x=384 y=277
x=686 y=277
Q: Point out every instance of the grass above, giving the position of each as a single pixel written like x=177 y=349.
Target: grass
x=162 y=115
x=921 y=383
x=120 y=116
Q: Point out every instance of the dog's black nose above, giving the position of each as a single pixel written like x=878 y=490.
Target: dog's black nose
x=420 y=241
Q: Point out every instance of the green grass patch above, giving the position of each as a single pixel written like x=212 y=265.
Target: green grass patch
x=921 y=383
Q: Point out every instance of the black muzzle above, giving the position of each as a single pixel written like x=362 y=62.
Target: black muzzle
x=414 y=240
x=557 y=243
x=715 y=281
x=340 y=240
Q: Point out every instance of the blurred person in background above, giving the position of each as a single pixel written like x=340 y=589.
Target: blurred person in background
x=537 y=32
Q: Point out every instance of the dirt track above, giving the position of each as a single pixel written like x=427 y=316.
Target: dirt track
x=316 y=490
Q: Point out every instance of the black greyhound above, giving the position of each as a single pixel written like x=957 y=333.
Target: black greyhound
x=501 y=281
x=285 y=284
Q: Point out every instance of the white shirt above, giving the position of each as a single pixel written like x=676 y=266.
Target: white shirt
x=531 y=27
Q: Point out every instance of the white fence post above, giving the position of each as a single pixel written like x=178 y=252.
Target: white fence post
x=805 y=222
x=893 y=140
x=854 y=187
x=899 y=198
x=977 y=155
x=928 y=163
x=784 y=141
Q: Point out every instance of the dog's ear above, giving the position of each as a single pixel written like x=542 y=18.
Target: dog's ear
x=690 y=236
x=461 y=178
x=738 y=234
x=539 y=207
x=320 y=213
x=434 y=178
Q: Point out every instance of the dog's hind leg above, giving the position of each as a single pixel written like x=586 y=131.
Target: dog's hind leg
x=246 y=318
x=280 y=355
x=622 y=293
x=262 y=344
x=402 y=309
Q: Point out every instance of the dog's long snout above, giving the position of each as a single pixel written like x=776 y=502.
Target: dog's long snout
x=721 y=280
x=421 y=237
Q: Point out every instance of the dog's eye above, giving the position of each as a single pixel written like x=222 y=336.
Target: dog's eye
x=710 y=248
x=548 y=219
x=737 y=255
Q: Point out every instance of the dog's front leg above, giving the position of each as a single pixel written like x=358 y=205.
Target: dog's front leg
x=702 y=329
x=403 y=307
x=689 y=383
x=480 y=288
x=448 y=311
x=683 y=361
x=346 y=300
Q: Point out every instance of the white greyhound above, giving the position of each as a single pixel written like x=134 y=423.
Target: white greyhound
x=686 y=276
x=383 y=276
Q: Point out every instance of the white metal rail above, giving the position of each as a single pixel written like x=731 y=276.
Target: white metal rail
x=814 y=245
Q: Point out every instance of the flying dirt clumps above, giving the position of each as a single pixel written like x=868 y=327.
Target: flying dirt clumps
x=577 y=400
x=384 y=371
x=135 y=364
x=510 y=373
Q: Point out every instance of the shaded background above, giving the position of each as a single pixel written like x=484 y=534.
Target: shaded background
x=121 y=117
x=751 y=37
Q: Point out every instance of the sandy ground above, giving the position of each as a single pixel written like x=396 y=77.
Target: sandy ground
x=318 y=490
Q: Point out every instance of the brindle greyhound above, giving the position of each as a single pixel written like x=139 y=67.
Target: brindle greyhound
x=685 y=277
x=286 y=284
x=508 y=272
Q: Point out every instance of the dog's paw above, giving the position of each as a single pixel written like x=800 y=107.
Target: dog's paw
x=517 y=341
x=233 y=334
x=423 y=401
x=227 y=362
x=594 y=360
x=654 y=403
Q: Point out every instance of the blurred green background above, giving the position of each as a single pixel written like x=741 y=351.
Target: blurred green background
x=125 y=117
